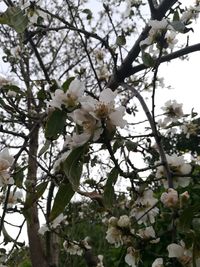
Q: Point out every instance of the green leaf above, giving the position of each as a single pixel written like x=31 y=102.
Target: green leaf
x=121 y=40
x=73 y=165
x=178 y=26
x=148 y=60
x=18 y=176
x=32 y=198
x=131 y=146
x=62 y=198
x=186 y=217
x=44 y=148
x=25 y=263
x=109 y=192
x=88 y=12
x=15 y=18
x=66 y=84
x=176 y=16
x=55 y=124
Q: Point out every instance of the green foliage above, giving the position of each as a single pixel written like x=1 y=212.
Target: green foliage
x=109 y=192
x=121 y=40
x=73 y=165
x=66 y=84
x=15 y=18
x=148 y=60
x=63 y=196
x=55 y=124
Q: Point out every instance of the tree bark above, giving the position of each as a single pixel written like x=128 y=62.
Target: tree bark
x=37 y=251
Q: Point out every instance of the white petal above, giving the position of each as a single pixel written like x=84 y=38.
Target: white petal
x=175 y=251
x=107 y=96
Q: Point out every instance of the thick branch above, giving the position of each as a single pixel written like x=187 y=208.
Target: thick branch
x=177 y=54
x=119 y=76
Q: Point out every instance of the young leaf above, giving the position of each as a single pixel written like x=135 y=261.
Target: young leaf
x=55 y=124
x=44 y=148
x=88 y=12
x=121 y=40
x=66 y=84
x=15 y=18
x=131 y=146
x=109 y=192
x=62 y=198
x=73 y=165
x=148 y=60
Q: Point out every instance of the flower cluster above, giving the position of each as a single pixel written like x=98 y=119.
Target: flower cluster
x=91 y=115
x=77 y=248
x=180 y=170
x=191 y=13
x=144 y=209
x=161 y=33
x=173 y=111
x=6 y=161
x=114 y=234
x=183 y=254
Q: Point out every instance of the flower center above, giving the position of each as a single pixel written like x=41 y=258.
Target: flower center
x=102 y=111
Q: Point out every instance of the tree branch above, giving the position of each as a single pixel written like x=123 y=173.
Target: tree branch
x=121 y=73
x=155 y=132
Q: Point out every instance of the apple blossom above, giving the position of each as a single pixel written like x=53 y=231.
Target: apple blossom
x=158 y=263
x=170 y=198
x=144 y=209
x=114 y=236
x=180 y=252
x=173 y=111
x=100 y=263
x=104 y=109
x=54 y=224
x=70 y=98
x=147 y=233
x=180 y=170
x=6 y=161
x=124 y=221
x=132 y=257
x=190 y=129
x=73 y=248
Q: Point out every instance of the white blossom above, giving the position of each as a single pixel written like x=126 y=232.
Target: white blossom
x=147 y=233
x=180 y=252
x=105 y=109
x=170 y=198
x=179 y=167
x=144 y=208
x=6 y=161
x=131 y=257
x=114 y=236
x=100 y=263
x=73 y=248
x=158 y=263
x=189 y=129
x=173 y=111
x=54 y=224
x=124 y=221
x=70 y=98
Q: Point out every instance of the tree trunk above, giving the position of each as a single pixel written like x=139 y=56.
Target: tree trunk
x=37 y=251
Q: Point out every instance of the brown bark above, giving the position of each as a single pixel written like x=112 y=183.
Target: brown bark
x=36 y=248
